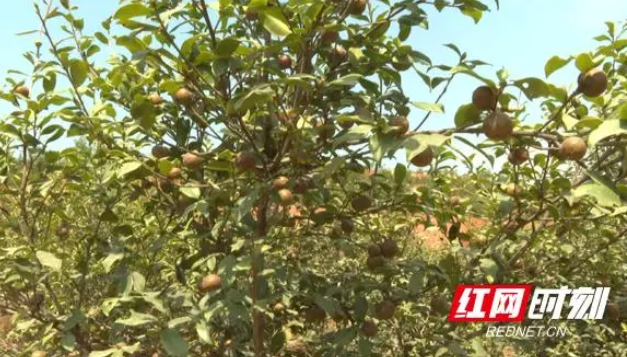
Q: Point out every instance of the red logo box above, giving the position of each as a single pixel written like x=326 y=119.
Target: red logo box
x=490 y=303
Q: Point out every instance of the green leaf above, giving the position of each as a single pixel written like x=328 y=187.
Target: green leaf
x=137 y=319
x=300 y=80
x=430 y=107
x=227 y=46
x=332 y=166
x=131 y=10
x=102 y=353
x=490 y=158
x=361 y=308
x=278 y=341
x=73 y=320
x=50 y=82
x=418 y=143
x=584 y=62
x=256 y=96
x=467 y=114
x=555 y=63
x=174 y=344
x=275 y=22
x=108 y=262
x=68 y=341
x=477 y=346
x=533 y=87
x=365 y=347
x=468 y=71
x=353 y=135
x=606 y=129
x=49 y=260
x=569 y=121
x=400 y=172
x=349 y=80
x=379 y=145
x=191 y=192
x=441 y=351
x=490 y=268
x=129 y=168
x=472 y=12
x=589 y=122
x=416 y=282
x=326 y=304
x=202 y=329
x=137 y=281
x=179 y=321
x=78 y=72
x=346 y=336
x=603 y=194
x=144 y=112
x=219 y=165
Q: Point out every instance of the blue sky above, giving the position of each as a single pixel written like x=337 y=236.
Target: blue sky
x=521 y=36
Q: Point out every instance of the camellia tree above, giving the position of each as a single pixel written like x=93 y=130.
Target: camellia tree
x=225 y=193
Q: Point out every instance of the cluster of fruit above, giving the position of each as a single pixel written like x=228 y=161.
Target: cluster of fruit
x=499 y=126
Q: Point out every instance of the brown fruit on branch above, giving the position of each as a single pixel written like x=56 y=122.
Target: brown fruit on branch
x=245 y=161
x=62 y=231
x=22 y=90
x=326 y=131
x=400 y=125
x=484 y=98
x=285 y=61
x=280 y=182
x=279 y=307
x=613 y=312
x=192 y=160
x=160 y=151
x=286 y=196
x=296 y=348
x=498 y=126
x=347 y=226
x=361 y=203
x=369 y=328
x=155 y=98
x=321 y=215
x=375 y=262
x=175 y=173
x=209 y=283
x=345 y=124
x=402 y=66
x=573 y=148
x=329 y=36
x=315 y=314
x=593 y=83
x=357 y=7
x=337 y=55
x=302 y=185
x=512 y=190
x=518 y=156
x=455 y=200
x=251 y=15
x=424 y=158
x=389 y=248
x=385 y=310
x=439 y=305
x=184 y=96
x=374 y=250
